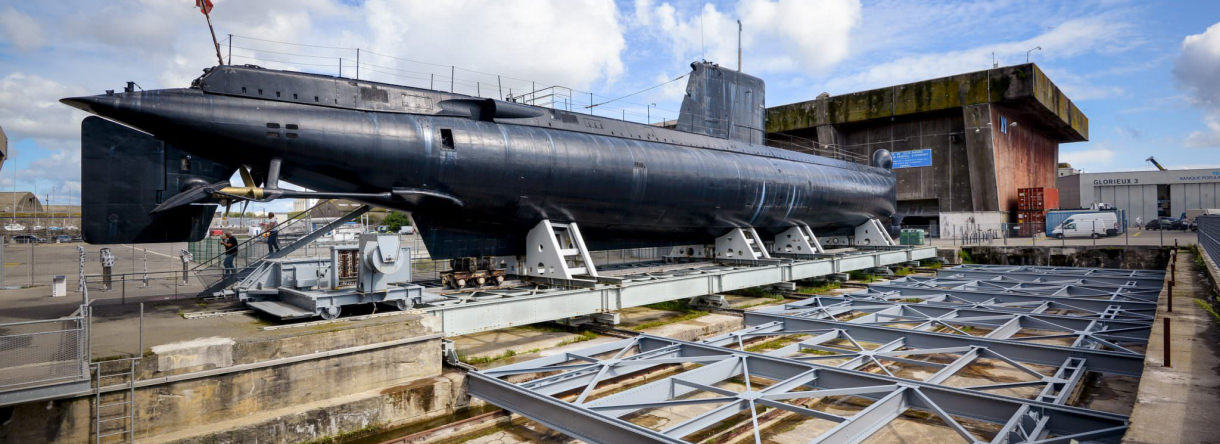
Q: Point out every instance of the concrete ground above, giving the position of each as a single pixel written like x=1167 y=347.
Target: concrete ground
x=29 y=298
x=1175 y=403
x=1136 y=237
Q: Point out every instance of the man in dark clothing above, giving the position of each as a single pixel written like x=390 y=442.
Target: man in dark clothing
x=229 y=241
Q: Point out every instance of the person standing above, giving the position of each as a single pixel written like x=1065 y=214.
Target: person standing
x=229 y=241
x=273 y=235
x=1139 y=222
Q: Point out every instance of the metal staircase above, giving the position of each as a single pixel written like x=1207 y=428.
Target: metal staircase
x=252 y=252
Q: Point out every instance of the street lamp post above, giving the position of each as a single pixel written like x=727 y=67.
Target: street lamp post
x=1036 y=48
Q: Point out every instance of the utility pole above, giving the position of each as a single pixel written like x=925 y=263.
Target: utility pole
x=739 y=46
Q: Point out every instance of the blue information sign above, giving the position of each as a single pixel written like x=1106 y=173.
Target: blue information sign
x=912 y=159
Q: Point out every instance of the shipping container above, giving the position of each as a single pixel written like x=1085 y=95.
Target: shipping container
x=1054 y=218
x=1029 y=199
x=1050 y=199
x=1036 y=216
x=1037 y=198
x=1029 y=229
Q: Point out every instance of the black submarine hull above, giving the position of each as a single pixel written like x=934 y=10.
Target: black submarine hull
x=509 y=166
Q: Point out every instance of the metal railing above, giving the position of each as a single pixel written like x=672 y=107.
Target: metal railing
x=1209 y=235
x=45 y=352
x=810 y=146
x=253 y=248
x=154 y=283
x=1031 y=233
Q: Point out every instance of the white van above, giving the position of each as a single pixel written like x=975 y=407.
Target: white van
x=1093 y=225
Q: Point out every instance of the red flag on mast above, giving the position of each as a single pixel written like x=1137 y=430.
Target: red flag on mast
x=205 y=6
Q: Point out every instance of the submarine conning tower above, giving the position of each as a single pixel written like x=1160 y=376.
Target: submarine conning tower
x=723 y=103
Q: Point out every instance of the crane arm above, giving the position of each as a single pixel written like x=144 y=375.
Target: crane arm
x=1156 y=164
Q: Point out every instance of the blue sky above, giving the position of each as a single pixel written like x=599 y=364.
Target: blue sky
x=1147 y=74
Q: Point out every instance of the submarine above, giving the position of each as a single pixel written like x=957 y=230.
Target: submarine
x=476 y=173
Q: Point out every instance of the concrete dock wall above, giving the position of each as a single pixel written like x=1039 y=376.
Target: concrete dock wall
x=300 y=386
x=1128 y=257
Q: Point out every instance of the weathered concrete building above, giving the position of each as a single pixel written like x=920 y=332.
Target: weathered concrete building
x=21 y=202
x=962 y=145
x=1144 y=194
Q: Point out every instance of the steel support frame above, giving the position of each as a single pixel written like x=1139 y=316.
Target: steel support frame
x=1094 y=300
x=507 y=308
x=1069 y=287
x=1055 y=387
x=1008 y=304
x=1152 y=277
x=1144 y=281
x=1089 y=333
x=1113 y=362
x=600 y=420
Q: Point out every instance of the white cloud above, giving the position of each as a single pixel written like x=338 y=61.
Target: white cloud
x=1198 y=72
x=1069 y=39
x=30 y=108
x=19 y=30
x=1089 y=160
x=570 y=43
x=777 y=35
x=1210 y=137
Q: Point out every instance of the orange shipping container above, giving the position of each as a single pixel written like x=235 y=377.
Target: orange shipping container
x=1050 y=199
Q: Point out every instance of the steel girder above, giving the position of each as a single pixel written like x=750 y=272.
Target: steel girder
x=847 y=347
x=1114 y=362
x=1143 y=298
x=1148 y=278
x=1089 y=332
x=1069 y=287
x=481 y=310
x=1084 y=309
x=606 y=418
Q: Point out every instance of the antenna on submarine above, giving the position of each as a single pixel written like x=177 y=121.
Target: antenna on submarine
x=205 y=6
x=739 y=46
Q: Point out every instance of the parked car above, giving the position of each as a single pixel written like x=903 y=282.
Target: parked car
x=1167 y=223
x=61 y=238
x=28 y=239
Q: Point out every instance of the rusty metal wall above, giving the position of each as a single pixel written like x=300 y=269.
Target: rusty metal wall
x=1024 y=157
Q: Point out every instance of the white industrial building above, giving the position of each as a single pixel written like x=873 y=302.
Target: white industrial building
x=1143 y=194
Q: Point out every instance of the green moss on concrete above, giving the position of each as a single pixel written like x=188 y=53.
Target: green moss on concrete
x=349 y=436
x=991 y=86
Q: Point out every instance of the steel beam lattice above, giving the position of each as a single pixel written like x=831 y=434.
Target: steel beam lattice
x=912 y=345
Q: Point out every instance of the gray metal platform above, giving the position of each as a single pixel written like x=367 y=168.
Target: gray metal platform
x=280 y=309
x=482 y=310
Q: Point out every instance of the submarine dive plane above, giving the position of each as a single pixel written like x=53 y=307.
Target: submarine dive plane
x=477 y=174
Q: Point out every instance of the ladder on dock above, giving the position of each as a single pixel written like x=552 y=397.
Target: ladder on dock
x=254 y=256
x=114 y=410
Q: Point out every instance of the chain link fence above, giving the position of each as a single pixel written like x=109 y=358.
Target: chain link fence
x=36 y=353
x=1209 y=235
